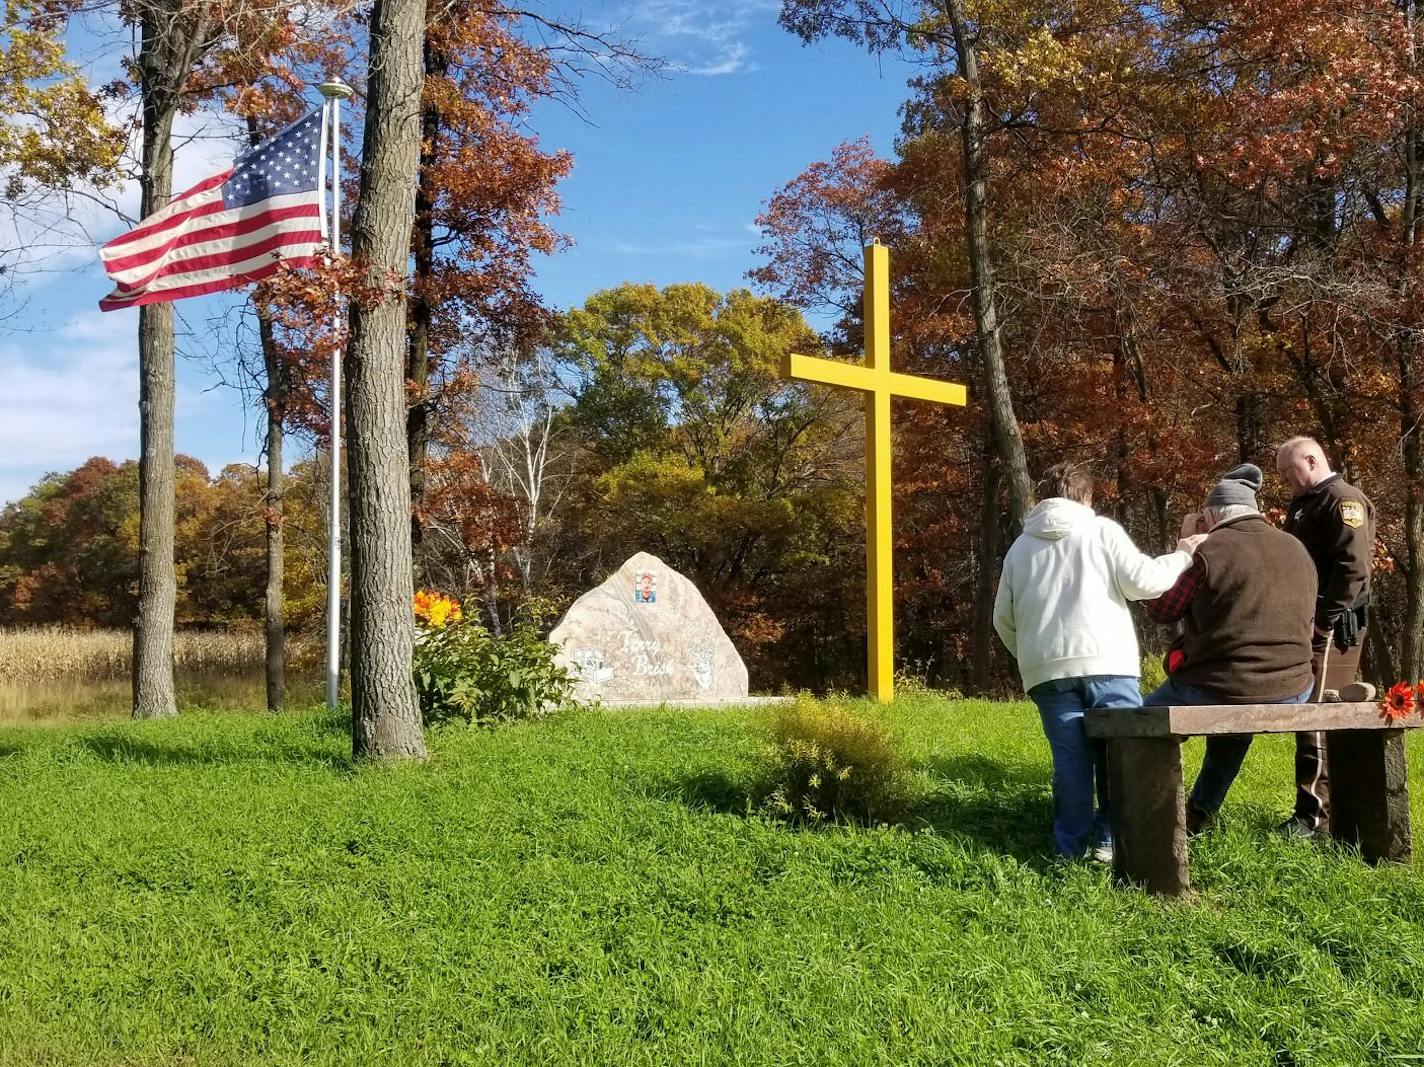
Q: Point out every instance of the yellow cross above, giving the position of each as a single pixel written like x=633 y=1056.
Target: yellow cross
x=879 y=383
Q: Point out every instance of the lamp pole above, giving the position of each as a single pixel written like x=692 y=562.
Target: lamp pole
x=335 y=91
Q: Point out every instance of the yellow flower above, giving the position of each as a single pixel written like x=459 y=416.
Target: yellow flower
x=435 y=609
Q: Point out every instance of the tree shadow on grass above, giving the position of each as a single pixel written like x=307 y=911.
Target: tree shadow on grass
x=996 y=807
x=121 y=748
x=709 y=790
x=1004 y=808
x=333 y=721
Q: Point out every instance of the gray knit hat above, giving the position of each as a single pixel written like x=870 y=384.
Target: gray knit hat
x=1237 y=486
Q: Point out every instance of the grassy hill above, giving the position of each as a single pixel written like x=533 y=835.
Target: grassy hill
x=229 y=889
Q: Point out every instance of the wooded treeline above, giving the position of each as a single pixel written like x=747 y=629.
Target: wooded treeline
x=1200 y=227
x=1158 y=238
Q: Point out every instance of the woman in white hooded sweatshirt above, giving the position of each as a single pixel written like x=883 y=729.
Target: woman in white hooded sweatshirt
x=1062 y=611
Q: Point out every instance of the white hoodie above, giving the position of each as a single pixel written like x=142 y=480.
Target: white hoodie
x=1062 y=602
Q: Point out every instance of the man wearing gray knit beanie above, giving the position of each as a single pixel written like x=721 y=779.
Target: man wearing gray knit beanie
x=1246 y=606
x=1237 y=488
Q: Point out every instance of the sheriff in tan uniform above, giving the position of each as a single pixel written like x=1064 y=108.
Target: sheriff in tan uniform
x=1336 y=524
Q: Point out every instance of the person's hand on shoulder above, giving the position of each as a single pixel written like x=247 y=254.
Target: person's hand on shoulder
x=1189 y=544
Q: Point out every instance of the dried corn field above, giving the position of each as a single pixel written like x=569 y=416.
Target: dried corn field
x=53 y=653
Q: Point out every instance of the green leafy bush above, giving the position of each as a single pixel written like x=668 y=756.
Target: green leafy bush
x=827 y=761
x=465 y=673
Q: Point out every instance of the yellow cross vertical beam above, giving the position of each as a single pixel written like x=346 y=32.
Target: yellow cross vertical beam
x=879 y=383
x=879 y=546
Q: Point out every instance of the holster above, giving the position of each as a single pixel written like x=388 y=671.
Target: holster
x=1349 y=626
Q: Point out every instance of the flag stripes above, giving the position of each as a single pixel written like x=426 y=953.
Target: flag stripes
x=232 y=228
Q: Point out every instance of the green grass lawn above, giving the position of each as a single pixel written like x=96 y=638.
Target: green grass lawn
x=591 y=890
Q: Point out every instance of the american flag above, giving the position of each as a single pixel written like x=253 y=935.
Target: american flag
x=233 y=228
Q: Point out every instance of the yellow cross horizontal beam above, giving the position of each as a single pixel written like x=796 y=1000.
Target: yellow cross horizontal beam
x=869 y=380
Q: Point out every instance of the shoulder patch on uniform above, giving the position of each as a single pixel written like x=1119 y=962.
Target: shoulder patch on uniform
x=1352 y=513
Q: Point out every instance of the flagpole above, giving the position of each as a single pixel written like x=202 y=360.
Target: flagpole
x=335 y=91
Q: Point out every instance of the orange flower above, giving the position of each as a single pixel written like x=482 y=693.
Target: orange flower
x=435 y=609
x=1398 y=702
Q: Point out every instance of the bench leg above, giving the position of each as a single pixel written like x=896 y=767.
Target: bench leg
x=1148 y=814
x=1369 y=792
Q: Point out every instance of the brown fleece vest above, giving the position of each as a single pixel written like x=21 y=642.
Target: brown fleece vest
x=1247 y=635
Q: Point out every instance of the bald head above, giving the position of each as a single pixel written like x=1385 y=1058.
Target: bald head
x=1302 y=465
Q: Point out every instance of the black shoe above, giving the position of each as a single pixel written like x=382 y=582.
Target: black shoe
x=1198 y=821
x=1297 y=828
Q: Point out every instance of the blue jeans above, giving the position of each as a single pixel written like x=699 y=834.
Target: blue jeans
x=1077 y=758
x=1224 y=752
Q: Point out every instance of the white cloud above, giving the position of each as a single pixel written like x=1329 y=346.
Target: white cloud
x=696 y=248
x=731 y=60
x=53 y=235
x=71 y=379
x=706 y=39
x=73 y=397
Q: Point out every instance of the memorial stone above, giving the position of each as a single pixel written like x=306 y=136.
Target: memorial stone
x=646 y=635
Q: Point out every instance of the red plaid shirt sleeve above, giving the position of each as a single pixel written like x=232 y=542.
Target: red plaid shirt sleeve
x=1175 y=602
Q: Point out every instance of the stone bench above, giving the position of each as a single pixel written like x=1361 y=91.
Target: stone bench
x=1369 y=788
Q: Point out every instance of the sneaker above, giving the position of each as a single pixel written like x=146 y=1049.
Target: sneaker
x=1198 y=821
x=1297 y=828
x=1101 y=853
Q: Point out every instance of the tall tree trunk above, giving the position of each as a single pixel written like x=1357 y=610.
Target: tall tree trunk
x=1122 y=451
x=1319 y=388
x=1412 y=654
x=1136 y=366
x=385 y=714
x=1007 y=439
x=154 y=694
x=275 y=396
x=1251 y=443
x=1378 y=661
x=417 y=369
x=490 y=589
x=984 y=580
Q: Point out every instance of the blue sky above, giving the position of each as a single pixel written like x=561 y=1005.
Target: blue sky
x=666 y=184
